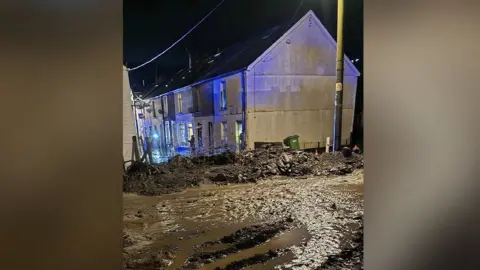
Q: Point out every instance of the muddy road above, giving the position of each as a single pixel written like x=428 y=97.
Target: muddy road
x=281 y=223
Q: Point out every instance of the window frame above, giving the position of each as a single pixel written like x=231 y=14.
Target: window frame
x=223 y=95
x=224 y=132
x=179 y=102
x=165 y=105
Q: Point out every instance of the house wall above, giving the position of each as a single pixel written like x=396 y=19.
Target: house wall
x=290 y=91
x=203 y=99
x=187 y=101
x=206 y=99
x=128 y=118
x=183 y=117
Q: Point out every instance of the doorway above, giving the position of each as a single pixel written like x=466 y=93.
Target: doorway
x=210 y=136
x=199 y=136
x=238 y=134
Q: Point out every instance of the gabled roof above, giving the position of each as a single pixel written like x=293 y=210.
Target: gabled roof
x=235 y=58
x=291 y=29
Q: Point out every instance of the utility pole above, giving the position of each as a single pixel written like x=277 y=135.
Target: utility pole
x=337 y=119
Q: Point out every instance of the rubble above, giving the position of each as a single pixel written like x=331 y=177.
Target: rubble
x=245 y=167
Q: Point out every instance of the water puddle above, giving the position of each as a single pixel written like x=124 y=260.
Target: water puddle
x=181 y=224
x=283 y=259
x=247 y=256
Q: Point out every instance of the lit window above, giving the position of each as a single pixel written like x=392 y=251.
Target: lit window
x=224 y=132
x=190 y=130
x=179 y=99
x=165 y=106
x=182 y=134
x=223 y=96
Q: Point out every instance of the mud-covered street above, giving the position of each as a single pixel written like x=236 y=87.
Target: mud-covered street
x=313 y=222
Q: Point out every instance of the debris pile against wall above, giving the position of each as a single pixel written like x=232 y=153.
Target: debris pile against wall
x=249 y=166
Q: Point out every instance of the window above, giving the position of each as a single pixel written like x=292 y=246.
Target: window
x=165 y=105
x=196 y=100
x=182 y=134
x=167 y=132
x=224 y=132
x=179 y=100
x=238 y=132
x=223 y=95
x=190 y=130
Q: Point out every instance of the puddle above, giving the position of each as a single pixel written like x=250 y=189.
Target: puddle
x=190 y=240
x=250 y=256
x=285 y=258
x=183 y=223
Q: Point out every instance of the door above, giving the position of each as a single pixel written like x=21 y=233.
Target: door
x=210 y=136
x=238 y=134
x=199 y=136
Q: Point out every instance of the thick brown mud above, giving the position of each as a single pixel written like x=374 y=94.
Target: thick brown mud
x=272 y=224
x=181 y=172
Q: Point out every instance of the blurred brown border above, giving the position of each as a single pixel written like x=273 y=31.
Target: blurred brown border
x=61 y=193
x=60 y=199
x=421 y=129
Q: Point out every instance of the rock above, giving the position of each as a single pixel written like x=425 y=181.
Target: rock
x=333 y=206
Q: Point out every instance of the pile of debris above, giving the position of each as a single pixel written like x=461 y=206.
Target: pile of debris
x=174 y=176
x=277 y=161
x=248 y=166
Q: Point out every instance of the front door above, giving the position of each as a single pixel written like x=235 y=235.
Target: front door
x=238 y=134
x=210 y=136
x=199 y=136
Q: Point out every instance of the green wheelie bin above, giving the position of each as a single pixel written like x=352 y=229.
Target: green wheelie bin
x=292 y=142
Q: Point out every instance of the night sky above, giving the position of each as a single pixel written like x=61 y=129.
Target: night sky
x=150 y=26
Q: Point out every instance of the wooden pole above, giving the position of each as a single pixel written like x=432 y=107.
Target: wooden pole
x=337 y=129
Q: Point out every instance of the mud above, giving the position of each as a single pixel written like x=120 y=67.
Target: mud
x=181 y=172
x=242 y=239
x=351 y=256
x=256 y=259
x=273 y=224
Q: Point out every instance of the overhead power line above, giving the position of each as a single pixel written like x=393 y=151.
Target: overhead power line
x=181 y=38
x=296 y=11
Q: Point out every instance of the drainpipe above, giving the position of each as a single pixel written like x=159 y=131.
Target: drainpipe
x=164 y=118
x=212 y=147
x=244 y=109
x=136 y=124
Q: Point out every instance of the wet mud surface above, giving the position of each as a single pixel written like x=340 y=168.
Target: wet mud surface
x=181 y=172
x=279 y=223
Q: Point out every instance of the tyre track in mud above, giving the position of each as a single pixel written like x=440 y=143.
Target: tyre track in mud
x=247 y=238
x=324 y=208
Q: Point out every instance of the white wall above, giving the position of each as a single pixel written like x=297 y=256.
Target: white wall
x=290 y=91
x=128 y=118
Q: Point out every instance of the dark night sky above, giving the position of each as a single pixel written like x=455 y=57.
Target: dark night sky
x=150 y=26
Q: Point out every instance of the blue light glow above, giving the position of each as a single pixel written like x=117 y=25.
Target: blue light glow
x=155 y=135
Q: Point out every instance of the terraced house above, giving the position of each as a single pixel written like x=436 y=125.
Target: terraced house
x=274 y=85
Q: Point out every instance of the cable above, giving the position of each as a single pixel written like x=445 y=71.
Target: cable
x=295 y=14
x=181 y=38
